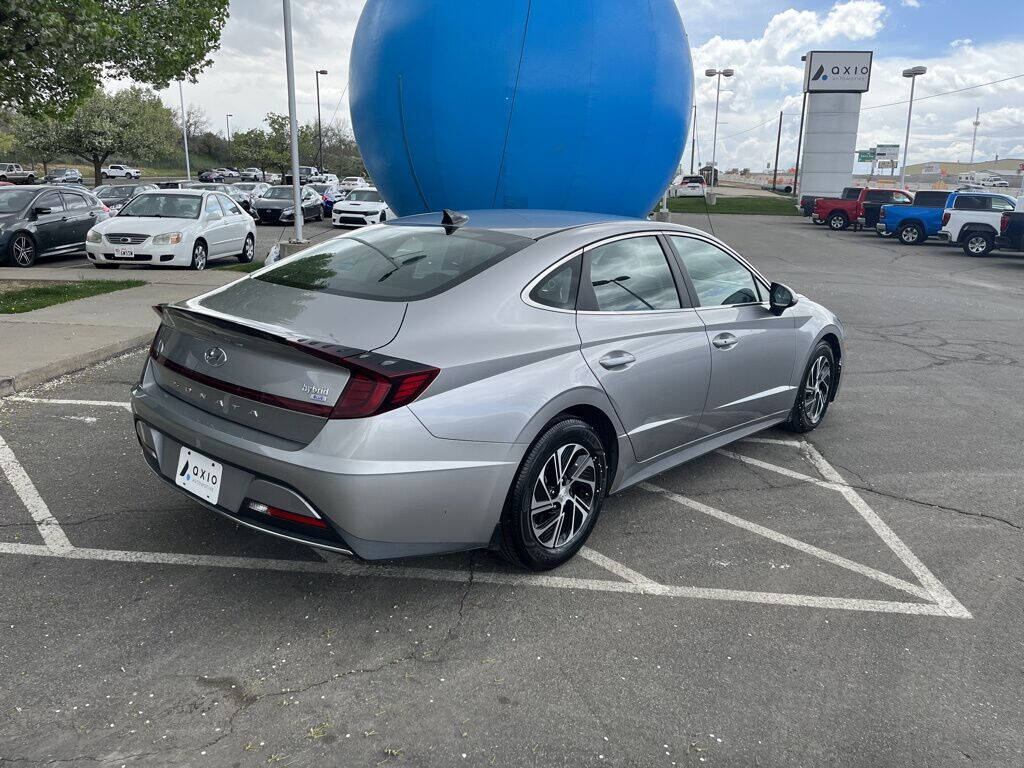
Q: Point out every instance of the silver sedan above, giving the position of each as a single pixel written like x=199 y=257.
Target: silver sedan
x=454 y=381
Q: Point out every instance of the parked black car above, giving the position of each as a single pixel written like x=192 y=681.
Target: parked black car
x=116 y=195
x=63 y=176
x=211 y=176
x=277 y=206
x=1011 y=235
x=42 y=221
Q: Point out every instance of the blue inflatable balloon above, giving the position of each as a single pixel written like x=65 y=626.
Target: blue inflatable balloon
x=551 y=104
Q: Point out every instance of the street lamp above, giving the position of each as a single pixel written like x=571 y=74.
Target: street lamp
x=719 y=73
x=319 y=125
x=184 y=130
x=227 y=122
x=913 y=74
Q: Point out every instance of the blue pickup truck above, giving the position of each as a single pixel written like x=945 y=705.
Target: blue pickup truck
x=915 y=223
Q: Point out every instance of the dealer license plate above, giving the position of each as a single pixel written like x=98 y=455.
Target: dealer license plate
x=199 y=475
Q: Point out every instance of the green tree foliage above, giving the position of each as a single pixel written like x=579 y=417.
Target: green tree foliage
x=55 y=52
x=131 y=123
x=37 y=139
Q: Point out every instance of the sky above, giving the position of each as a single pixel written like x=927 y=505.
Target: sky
x=962 y=42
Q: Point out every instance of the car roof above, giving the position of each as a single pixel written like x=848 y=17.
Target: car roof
x=530 y=223
x=187 y=191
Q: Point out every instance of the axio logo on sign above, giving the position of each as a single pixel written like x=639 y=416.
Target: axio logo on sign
x=837 y=71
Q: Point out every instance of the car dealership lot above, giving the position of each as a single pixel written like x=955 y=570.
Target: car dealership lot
x=853 y=600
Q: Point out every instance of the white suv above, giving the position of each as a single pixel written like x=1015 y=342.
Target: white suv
x=973 y=221
x=116 y=171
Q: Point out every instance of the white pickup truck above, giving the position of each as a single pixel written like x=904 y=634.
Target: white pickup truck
x=116 y=171
x=973 y=220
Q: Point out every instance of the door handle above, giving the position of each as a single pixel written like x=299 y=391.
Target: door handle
x=616 y=359
x=725 y=341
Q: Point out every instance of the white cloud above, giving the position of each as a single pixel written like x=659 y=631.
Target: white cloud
x=911 y=3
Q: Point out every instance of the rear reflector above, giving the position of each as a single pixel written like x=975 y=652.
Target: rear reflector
x=945 y=218
x=284 y=514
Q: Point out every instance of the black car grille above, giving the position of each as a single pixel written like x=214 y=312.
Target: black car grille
x=125 y=238
x=351 y=220
x=268 y=214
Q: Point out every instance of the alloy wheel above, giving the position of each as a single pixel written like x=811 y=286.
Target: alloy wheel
x=199 y=257
x=563 y=496
x=909 y=235
x=816 y=389
x=24 y=251
x=977 y=244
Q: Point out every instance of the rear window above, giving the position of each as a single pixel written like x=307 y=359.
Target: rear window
x=851 y=193
x=396 y=262
x=931 y=199
x=878 y=196
x=693 y=180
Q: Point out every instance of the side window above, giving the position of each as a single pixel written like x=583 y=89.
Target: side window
x=229 y=206
x=969 y=203
x=717 y=277
x=49 y=200
x=558 y=288
x=75 y=202
x=999 y=204
x=878 y=196
x=899 y=197
x=213 y=207
x=631 y=275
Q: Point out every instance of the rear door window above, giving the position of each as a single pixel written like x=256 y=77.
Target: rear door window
x=878 y=196
x=74 y=202
x=851 y=193
x=970 y=203
x=630 y=275
x=396 y=262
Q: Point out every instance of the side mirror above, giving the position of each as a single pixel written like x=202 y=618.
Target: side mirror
x=42 y=210
x=780 y=298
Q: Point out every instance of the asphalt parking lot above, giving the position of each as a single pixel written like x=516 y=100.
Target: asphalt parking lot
x=851 y=600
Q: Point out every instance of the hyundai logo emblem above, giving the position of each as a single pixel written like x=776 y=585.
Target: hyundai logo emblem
x=215 y=356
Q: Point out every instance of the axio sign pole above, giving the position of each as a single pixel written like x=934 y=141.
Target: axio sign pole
x=833 y=84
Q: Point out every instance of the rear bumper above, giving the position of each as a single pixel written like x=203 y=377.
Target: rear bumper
x=881 y=229
x=386 y=486
x=944 y=237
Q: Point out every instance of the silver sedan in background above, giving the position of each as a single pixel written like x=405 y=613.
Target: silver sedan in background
x=446 y=382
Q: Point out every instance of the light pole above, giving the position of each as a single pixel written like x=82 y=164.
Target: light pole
x=719 y=73
x=974 y=140
x=293 y=128
x=227 y=123
x=319 y=125
x=184 y=130
x=913 y=73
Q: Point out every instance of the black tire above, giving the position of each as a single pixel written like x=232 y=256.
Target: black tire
x=519 y=542
x=104 y=176
x=978 y=243
x=22 y=250
x=813 y=397
x=383 y=217
x=248 y=250
x=105 y=266
x=911 y=234
x=837 y=221
x=200 y=256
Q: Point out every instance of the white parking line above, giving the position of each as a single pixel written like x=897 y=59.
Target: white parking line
x=54 y=401
x=49 y=528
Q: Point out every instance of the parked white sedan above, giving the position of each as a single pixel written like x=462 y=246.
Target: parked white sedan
x=361 y=207
x=181 y=227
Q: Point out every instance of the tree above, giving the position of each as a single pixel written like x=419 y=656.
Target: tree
x=131 y=123
x=55 y=52
x=253 y=148
x=38 y=139
x=195 y=121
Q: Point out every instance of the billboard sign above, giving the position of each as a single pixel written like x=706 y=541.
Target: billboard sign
x=837 y=71
x=887 y=151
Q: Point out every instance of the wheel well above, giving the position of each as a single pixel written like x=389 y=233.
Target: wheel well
x=840 y=211
x=969 y=228
x=837 y=352
x=597 y=418
x=916 y=222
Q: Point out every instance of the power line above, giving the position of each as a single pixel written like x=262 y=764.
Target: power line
x=944 y=93
x=338 y=105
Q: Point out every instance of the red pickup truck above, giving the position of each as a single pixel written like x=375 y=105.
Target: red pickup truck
x=856 y=206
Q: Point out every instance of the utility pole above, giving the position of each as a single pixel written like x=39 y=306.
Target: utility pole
x=227 y=123
x=293 y=128
x=184 y=130
x=693 y=139
x=319 y=124
x=977 y=122
x=778 y=142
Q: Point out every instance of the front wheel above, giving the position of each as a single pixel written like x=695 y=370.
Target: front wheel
x=23 y=251
x=248 y=250
x=815 y=391
x=837 y=221
x=979 y=244
x=556 y=497
x=104 y=176
x=198 y=256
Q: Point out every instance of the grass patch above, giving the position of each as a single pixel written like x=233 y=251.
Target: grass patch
x=252 y=266
x=755 y=206
x=18 y=300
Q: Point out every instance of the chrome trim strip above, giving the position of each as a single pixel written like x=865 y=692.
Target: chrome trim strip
x=757 y=396
x=655 y=425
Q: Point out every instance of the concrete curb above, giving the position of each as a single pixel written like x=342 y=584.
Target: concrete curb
x=11 y=385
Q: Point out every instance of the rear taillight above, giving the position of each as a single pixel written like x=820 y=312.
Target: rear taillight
x=881 y=213
x=1004 y=222
x=378 y=384
x=945 y=218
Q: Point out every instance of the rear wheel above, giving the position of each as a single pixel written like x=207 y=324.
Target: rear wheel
x=199 y=256
x=815 y=391
x=979 y=243
x=556 y=497
x=248 y=250
x=23 y=251
x=911 y=234
x=837 y=221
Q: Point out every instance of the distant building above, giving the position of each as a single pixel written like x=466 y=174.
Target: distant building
x=1008 y=166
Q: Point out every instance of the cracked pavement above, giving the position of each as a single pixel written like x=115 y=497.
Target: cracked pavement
x=145 y=664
